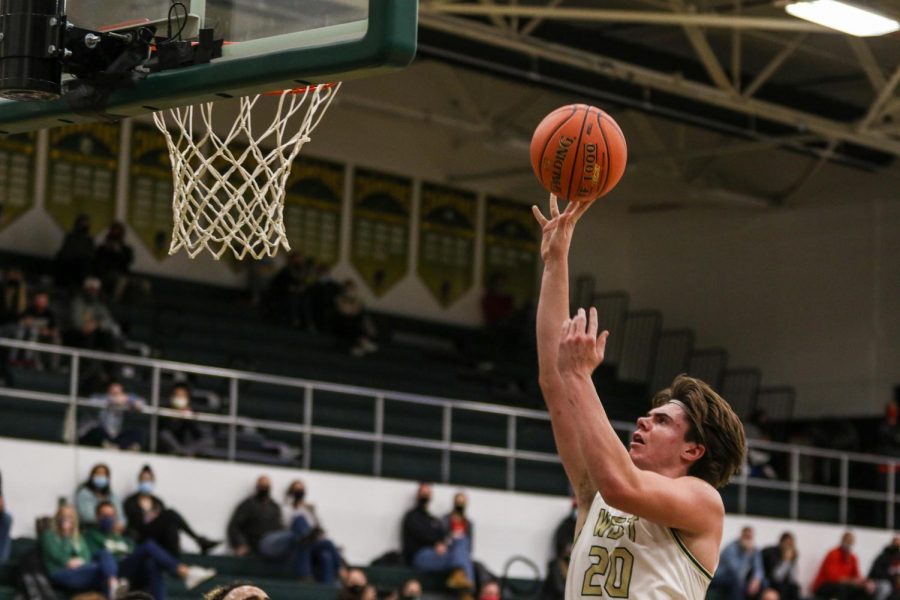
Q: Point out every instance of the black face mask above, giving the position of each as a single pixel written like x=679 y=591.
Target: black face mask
x=356 y=590
x=423 y=501
x=298 y=495
x=410 y=597
x=460 y=508
x=262 y=493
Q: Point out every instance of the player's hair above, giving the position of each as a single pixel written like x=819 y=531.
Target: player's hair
x=713 y=424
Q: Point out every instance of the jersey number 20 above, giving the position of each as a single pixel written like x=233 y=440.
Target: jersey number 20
x=617 y=569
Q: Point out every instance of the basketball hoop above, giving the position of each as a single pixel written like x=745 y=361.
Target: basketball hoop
x=227 y=196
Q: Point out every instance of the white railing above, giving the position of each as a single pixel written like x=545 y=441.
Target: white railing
x=800 y=459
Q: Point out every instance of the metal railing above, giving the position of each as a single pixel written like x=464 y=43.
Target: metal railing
x=800 y=480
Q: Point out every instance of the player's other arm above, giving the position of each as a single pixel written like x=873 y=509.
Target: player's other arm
x=685 y=503
x=553 y=308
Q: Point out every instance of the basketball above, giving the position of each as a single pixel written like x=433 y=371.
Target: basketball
x=578 y=152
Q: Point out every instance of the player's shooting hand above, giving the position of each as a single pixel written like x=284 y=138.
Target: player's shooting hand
x=581 y=350
x=557 y=230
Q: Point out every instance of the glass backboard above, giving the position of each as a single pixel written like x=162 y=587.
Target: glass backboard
x=269 y=45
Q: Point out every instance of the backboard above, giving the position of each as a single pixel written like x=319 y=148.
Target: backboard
x=269 y=45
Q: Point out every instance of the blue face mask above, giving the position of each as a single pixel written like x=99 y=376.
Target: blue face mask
x=145 y=487
x=106 y=524
x=100 y=481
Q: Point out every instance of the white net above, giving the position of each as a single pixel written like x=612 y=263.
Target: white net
x=229 y=189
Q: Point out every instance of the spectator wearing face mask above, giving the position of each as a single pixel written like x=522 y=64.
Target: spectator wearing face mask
x=410 y=590
x=303 y=543
x=780 y=563
x=143 y=565
x=107 y=430
x=69 y=562
x=150 y=520
x=426 y=546
x=456 y=523
x=740 y=574
x=353 y=585
x=839 y=575
x=94 y=491
x=253 y=519
x=885 y=572
x=184 y=436
x=490 y=590
x=93 y=326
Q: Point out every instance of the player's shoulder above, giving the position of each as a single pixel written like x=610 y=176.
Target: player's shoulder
x=704 y=494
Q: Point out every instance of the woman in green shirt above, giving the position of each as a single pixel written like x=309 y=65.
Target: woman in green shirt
x=68 y=559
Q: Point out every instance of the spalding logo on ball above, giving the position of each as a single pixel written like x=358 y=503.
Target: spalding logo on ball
x=578 y=152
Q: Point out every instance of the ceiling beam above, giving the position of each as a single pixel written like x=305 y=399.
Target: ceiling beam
x=773 y=66
x=704 y=52
x=876 y=110
x=535 y=22
x=667 y=82
x=624 y=16
x=867 y=62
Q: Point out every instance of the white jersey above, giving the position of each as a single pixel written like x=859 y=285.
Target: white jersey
x=617 y=555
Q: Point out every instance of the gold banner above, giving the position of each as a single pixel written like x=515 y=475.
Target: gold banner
x=447 y=241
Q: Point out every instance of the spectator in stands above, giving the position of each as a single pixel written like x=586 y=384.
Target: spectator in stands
x=236 y=591
x=740 y=575
x=885 y=572
x=759 y=461
x=93 y=326
x=150 y=520
x=353 y=585
x=780 y=566
x=490 y=590
x=184 y=436
x=565 y=532
x=289 y=291
x=558 y=568
x=456 y=524
x=411 y=590
x=253 y=519
x=428 y=548
x=323 y=294
x=497 y=304
x=112 y=261
x=839 y=575
x=94 y=491
x=5 y=527
x=889 y=431
x=76 y=255
x=143 y=565
x=313 y=552
x=107 y=430
x=38 y=323
x=69 y=562
x=352 y=325
x=13 y=295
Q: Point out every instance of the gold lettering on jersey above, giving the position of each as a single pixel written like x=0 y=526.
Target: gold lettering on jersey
x=614 y=527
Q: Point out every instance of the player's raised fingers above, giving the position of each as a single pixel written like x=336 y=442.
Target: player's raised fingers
x=601 y=344
x=538 y=216
x=554 y=206
x=592 y=323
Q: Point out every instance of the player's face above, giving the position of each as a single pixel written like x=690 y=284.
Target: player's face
x=658 y=441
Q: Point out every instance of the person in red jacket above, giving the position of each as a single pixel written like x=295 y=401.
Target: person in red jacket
x=839 y=575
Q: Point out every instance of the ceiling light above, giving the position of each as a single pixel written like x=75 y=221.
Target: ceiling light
x=843 y=17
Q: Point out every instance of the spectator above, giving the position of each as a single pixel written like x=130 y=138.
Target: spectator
x=839 y=575
x=426 y=547
x=253 y=519
x=411 y=590
x=184 y=436
x=68 y=560
x=237 y=591
x=456 y=524
x=352 y=324
x=497 y=304
x=150 y=520
x=313 y=553
x=564 y=535
x=107 y=430
x=93 y=326
x=353 y=585
x=759 y=461
x=5 y=527
x=289 y=291
x=75 y=256
x=558 y=568
x=94 y=491
x=323 y=295
x=143 y=565
x=885 y=572
x=740 y=574
x=889 y=431
x=112 y=261
x=780 y=564
x=489 y=591
x=13 y=295
x=38 y=323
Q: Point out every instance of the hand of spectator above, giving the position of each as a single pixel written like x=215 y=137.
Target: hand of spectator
x=789 y=554
x=2 y=504
x=242 y=550
x=440 y=548
x=89 y=326
x=74 y=563
x=119 y=527
x=870 y=586
x=753 y=587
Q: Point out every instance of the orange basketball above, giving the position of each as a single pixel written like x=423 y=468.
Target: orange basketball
x=578 y=152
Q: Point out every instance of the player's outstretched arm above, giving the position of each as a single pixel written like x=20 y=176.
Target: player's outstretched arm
x=684 y=503
x=553 y=308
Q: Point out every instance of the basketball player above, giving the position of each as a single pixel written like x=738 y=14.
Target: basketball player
x=649 y=518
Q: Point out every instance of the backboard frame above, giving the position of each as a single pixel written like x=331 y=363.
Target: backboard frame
x=389 y=43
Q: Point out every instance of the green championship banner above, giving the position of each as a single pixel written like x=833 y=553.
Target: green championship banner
x=150 y=190
x=16 y=176
x=511 y=247
x=312 y=209
x=381 y=217
x=81 y=174
x=447 y=241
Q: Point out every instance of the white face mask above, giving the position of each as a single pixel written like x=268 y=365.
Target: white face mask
x=179 y=401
